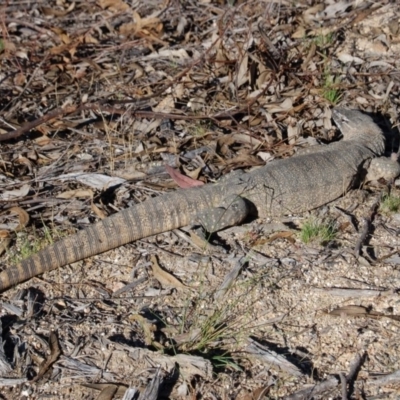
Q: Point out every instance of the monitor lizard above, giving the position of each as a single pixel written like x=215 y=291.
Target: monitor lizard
x=281 y=187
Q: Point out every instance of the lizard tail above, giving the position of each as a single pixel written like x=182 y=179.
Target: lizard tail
x=151 y=217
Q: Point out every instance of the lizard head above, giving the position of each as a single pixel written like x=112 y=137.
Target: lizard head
x=356 y=125
x=349 y=121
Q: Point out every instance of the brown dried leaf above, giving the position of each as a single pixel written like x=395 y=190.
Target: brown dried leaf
x=165 y=278
x=362 y=15
x=360 y=311
x=53 y=12
x=193 y=174
x=309 y=14
x=354 y=311
x=101 y=386
x=19 y=79
x=114 y=5
x=150 y=22
x=23 y=217
x=197 y=240
x=299 y=33
x=8 y=46
x=24 y=161
x=225 y=140
x=284 y=106
x=243 y=73
x=77 y=193
x=142 y=25
x=244 y=160
x=258 y=394
x=69 y=47
x=108 y=392
x=90 y=39
x=5 y=242
x=98 y=211
x=62 y=34
x=43 y=140
x=55 y=352
x=4 y=234
x=221 y=59
x=166 y=105
x=243 y=138
x=280 y=235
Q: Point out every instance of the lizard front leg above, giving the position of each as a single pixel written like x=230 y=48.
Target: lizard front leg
x=233 y=210
x=383 y=167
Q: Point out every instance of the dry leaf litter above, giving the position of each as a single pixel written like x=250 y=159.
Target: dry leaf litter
x=97 y=98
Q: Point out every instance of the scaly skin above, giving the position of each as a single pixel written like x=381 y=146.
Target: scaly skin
x=282 y=187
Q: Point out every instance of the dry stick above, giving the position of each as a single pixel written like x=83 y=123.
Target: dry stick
x=355 y=367
x=61 y=112
x=389 y=379
x=55 y=352
x=58 y=112
x=153 y=388
x=328 y=384
x=358 y=293
x=108 y=393
x=331 y=382
x=230 y=277
x=33 y=124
